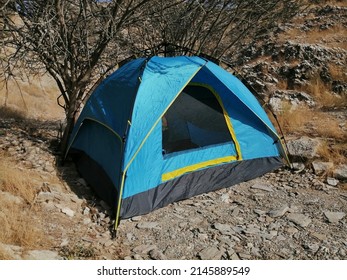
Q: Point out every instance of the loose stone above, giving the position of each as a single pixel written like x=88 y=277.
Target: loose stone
x=299 y=219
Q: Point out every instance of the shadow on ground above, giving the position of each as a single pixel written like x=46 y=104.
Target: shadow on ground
x=47 y=133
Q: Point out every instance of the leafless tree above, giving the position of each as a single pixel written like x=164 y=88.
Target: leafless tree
x=76 y=41
x=79 y=41
x=215 y=27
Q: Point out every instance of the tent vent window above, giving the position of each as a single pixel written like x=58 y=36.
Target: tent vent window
x=194 y=120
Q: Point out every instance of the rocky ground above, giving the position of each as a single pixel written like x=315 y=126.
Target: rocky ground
x=287 y=214
x=310 y=46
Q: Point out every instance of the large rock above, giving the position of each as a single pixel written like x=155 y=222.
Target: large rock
x=42 y=255
x=224 y=229
x=278 y=212
x=148 y=225
x=321 y=168
x=10 y=252
x=67 y=211
x=341 y=172
x=298 y=167
x=144 y=249
x=211 y=253
x=334 y=217
x=11 y=198
x=303 y=147
x=155 y=254
x=293 y=97
x=262 y=187
x=299 y=219
x=332 y=181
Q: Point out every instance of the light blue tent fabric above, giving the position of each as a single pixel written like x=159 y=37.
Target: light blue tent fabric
x=251 y=128
x=250 y=122
x=111 y=103
x=130 y=104
x=162 y=81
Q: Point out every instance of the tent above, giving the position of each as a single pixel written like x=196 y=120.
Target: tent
x=163 y=129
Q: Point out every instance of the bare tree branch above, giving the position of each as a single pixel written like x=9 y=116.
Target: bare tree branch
x=75 y=41
x=79 y=41
x=218 y=28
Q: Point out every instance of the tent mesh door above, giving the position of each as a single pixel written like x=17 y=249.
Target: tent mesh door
x=194 y=120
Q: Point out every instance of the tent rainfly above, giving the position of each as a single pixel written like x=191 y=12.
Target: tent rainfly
x=163 y=129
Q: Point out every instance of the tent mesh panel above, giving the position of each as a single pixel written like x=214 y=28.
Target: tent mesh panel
x=194 y=120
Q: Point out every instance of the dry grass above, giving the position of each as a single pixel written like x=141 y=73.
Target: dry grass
x=17 y=181
x=312 y=122
x=308 y=121
x=4 y=255
x=337 y=72
x=295 y=120
x=330 y=37
x=282 y=85
x=333 y=101
x=19 y=226
x=19 y=220
x=12 y=113
x=322 y=94
x=327 y=127
x=333 y=153
x=341 y=3
x=35 y=97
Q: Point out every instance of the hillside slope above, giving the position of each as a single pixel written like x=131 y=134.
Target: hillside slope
x=300 y=71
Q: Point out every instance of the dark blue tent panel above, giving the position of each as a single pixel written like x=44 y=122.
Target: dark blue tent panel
x=160 y=130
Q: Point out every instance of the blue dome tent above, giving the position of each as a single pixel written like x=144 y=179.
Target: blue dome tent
x=163 y=129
